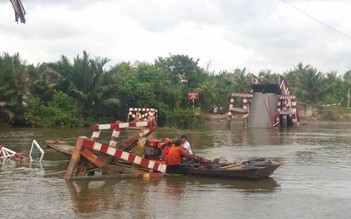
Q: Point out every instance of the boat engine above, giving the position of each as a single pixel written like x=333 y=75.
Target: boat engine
x=253 y=162
x=151 y=150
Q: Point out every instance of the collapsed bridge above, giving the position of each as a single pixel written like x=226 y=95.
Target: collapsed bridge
x=267 y=105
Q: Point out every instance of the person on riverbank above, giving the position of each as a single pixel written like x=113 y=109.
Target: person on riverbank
x=174 y=158
x=185 y=144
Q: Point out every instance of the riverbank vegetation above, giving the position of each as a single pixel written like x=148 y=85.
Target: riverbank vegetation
x=85 y=90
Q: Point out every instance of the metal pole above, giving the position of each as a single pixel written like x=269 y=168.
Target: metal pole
x=348 y=93
x=348 y=97
x=193 y=103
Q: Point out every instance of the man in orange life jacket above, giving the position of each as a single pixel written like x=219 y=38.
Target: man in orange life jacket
x=174 y=158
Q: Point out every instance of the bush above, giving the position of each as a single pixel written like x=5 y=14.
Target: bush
x=184 y=118
x=61 y=111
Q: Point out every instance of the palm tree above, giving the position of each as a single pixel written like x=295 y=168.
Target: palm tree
x=268 y=77
x=85 y=80
x=7 y=90
x=209 y=91
x=241 y=80
x=14 y=81
x=312 y=83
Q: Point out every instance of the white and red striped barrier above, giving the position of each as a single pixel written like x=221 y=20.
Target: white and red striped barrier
x=116 y=127
x=143 y=109
x=144 y=113
x=287 y=97
x=294 y=110
x=246 y=103
x=277 y=115
x=283 y=109
x=255 y=79
x=242 y=95
x=240 y=110
x=287 y=105
x=105 y=149
x=119 y=125
x=231 y=107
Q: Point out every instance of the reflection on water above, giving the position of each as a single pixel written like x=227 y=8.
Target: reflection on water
x=314 y=179
x=106 y=195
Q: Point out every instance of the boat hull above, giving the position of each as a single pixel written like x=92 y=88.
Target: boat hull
x=236 y=172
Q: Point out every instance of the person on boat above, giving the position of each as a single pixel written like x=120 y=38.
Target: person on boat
x=186 y=144
x=151 y=117
x=138 y=116
x=165 y=147
x=174 y=158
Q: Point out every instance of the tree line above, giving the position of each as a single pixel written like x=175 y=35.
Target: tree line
x=86 y=90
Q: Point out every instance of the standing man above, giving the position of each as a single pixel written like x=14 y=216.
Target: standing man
x=186 y=144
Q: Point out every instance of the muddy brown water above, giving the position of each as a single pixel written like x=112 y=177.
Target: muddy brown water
x=314 y=180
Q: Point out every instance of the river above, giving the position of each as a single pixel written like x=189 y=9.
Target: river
x=314 y=180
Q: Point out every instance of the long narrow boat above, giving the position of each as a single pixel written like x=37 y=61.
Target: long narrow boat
x=256 y=168
x=253 y=169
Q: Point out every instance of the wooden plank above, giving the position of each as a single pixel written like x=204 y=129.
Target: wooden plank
x=116 y=176
x=132 y=141
x=51 y=142
x=74 y=159
x=93 y=158
x=63 y=148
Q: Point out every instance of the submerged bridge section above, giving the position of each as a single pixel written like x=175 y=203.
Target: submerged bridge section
x=269 y=105
x=263 y=110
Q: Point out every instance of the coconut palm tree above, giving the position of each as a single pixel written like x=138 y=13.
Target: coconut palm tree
x=209 y=91
x=313 y=84
x=14 y=85
x=268 y=77
x=86 y=80
x=241 y=80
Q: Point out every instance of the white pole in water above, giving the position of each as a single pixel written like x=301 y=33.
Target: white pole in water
x=348 y=93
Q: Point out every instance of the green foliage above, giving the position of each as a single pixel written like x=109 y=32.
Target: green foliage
x=313 y=86
x=14 y=86
x=61 y=111
x=184 y=118
x=83 y=90
x=182 y=69
x=208 y=92
x=267 y=77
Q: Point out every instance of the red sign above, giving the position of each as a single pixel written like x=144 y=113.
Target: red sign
x=193 y=96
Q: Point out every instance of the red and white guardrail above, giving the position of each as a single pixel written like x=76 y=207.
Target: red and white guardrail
x=246 y=97
x=116 y=127
x=143 y=113
x=105 y=149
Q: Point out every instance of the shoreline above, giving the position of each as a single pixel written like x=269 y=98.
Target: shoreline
x=303 y=120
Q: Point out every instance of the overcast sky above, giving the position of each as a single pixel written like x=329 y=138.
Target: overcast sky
x=256 y=34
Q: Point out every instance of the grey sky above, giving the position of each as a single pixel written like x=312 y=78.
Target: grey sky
x=256 y=34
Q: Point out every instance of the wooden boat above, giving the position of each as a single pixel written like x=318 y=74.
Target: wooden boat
x=257 y=168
